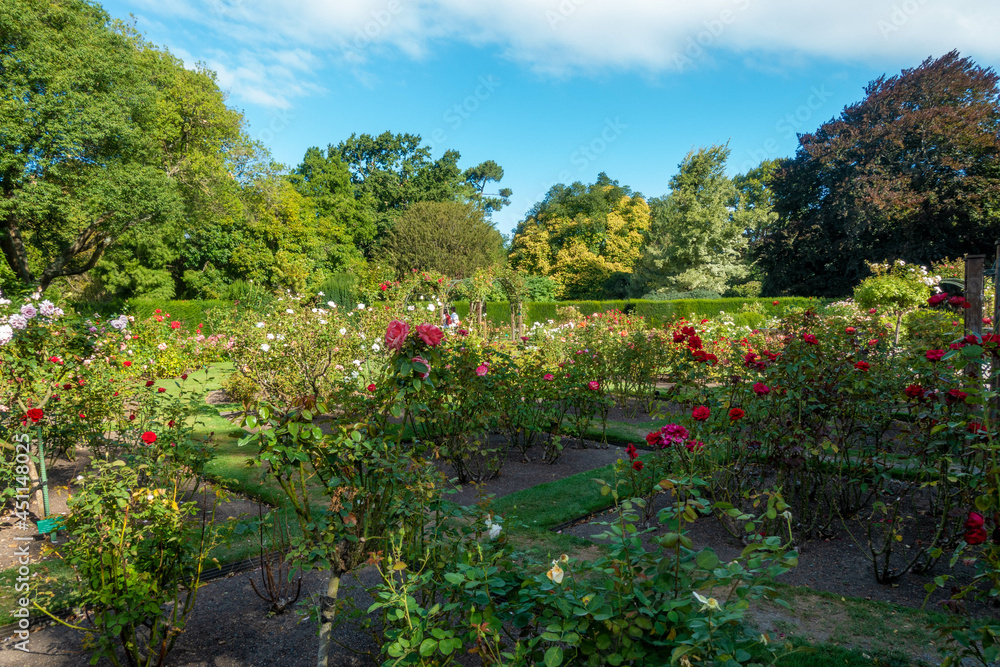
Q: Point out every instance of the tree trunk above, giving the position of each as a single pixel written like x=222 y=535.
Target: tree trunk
x=327 y=609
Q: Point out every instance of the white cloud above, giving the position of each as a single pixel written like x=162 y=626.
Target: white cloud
x=274 y=44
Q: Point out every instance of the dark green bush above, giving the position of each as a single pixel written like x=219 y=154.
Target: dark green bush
x=658 y=312
x=675 y=296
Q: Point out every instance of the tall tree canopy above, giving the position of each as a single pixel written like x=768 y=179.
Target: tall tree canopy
x=390 y=172
x=104 y=137
x=449 y=237
x=583 y=236
x=699 y=231
x=911 y=172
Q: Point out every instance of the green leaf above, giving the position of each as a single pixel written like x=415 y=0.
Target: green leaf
x=428 y=646
x=553 y=657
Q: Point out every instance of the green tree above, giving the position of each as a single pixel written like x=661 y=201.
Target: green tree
x=479 y=177
x=326 y=180
x=448 y=237
x=583 y=236
x=912 y=172
x=898 y=288
x=106 y=139
x=390 y=172
x=695 y=241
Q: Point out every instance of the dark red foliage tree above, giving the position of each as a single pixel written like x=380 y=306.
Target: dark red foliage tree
x=911 y=172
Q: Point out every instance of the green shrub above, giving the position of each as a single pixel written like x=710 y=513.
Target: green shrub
x=657 y=312
x=674 y=296
x=342 y=289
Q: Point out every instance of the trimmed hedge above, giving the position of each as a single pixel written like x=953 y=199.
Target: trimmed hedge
x=189 y=312
x=658 y=312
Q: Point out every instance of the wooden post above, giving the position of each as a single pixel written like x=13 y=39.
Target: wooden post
x=974 y=293
x=996 y=290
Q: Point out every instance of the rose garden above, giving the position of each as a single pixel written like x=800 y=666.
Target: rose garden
x=597 y=489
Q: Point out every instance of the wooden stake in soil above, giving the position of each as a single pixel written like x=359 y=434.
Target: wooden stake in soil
x=974 y=295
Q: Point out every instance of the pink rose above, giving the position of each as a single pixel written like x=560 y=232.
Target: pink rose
x=548 y=377
x=482 y=370
x=421 y=360
x=395 y=334
x=593 y=385
x=430 y=334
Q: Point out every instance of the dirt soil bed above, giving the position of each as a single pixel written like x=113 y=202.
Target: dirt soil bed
x=834 y=565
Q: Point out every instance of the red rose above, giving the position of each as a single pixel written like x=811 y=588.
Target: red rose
x=149 y=383
x=548 y=377
x=158 y=311
x=736 y=414
x=126 y=364
x=862 y=365
x=774 y=303
x=35 y=414
x=810 y=338
x=955 y=396
x=850 y=331
x=430 y=334
x=975 y=533
x=975 y=428
x=694 y=342
x=914 y=391
x=956 y=301
x=937 y=298
x=67 y=387
x=149 y=437
x=184 y=377
x=701 y=413
x=131 y=418
x=593 y=385
x=170 y=424
x=633 y=454
x=934 y=355
x=395 y=334
x=637 y=465
x=652 y=438
x=383 y=287
x=692 y=445
x=175 y=325
x=161 y=389
x=82 y=416
x=372 y=388
x=761 y=389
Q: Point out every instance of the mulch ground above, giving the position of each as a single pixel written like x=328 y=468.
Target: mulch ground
x=230 y=626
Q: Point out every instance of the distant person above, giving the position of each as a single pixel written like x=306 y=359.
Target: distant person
x=454 y=318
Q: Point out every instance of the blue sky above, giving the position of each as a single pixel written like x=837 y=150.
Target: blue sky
x=558 y=91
